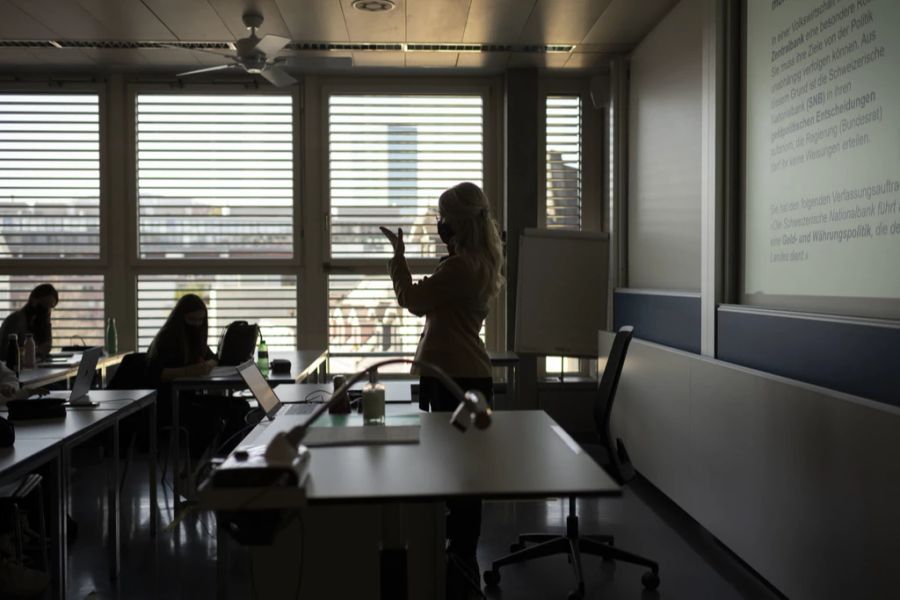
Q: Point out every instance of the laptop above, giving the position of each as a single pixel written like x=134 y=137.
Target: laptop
x=266 y=396
x=78 y=395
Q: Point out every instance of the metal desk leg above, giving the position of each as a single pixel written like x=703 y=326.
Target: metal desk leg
x=154 y=504
x=221 y=561
x=56 y=496
x=175 y=453
x=113 y=537
x=511 y=386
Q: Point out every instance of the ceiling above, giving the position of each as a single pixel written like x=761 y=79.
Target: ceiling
x=597 y=28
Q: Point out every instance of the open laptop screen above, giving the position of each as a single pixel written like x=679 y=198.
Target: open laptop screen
x=260 y=388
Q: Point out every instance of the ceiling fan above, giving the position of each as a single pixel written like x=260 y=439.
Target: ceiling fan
x=253 y=54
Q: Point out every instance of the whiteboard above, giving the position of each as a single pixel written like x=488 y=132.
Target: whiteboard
x=562 y=292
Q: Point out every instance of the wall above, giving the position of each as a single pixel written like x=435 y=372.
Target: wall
x=800 y=481
x=664 y=146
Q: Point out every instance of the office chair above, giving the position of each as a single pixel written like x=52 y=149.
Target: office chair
x=619 y=467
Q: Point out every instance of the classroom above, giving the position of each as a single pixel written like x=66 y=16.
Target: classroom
x=449 y=299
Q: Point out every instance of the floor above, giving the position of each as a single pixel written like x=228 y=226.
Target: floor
x=180 y=562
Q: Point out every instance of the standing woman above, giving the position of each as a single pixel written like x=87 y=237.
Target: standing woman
x=454 y=301
x=33 y=318
x=180 y=349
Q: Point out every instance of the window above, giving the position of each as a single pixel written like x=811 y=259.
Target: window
x=215 y=176
x=563 y=181
x=77 y=319
x=49 y=176
x=563 y=155
x=390 y=157
x=364 y=319
x=268 y=300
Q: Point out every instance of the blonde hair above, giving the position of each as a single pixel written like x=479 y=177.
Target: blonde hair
x=476 y=237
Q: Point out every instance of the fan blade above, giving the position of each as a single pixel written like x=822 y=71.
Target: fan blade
x=206 y=70
x=277 y=77
x=173 y=47
x=272 y=44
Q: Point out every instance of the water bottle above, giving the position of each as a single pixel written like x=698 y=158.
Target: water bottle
x=12 y=353
x=112 y=337
x=373 y=403
x=29 y=357
x=262 y=357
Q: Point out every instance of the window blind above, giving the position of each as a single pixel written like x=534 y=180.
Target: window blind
x=78 y=319
x=215 y=176
x=563 y=184
x=563 y=152
x=389 y=158
x=49 y=176
x=267 y=300
x=364 y=319
x=365 y=323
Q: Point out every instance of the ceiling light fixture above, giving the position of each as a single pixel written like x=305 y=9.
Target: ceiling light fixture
x=374 y=6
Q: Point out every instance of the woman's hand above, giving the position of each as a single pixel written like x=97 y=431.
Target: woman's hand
x=396 y=240
x=8 y=390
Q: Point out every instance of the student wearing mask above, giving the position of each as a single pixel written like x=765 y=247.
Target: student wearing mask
x=454 y=301
x=180 y=350
x=33 y=318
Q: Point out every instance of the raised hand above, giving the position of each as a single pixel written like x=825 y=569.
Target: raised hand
x=396 y=240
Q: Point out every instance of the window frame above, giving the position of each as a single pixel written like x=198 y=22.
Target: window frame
x=99 y=266
x=74 y=266
x=594 y=176
x=491 y=91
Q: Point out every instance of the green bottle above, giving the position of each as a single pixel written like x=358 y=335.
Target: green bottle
x=112 y=337
x=262 y=357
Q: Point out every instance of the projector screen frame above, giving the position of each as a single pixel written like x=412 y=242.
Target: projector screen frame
x=881 y=309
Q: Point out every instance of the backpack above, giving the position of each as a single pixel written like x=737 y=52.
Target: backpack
x=238 y=342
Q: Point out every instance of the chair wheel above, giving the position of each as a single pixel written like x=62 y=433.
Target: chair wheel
x=516 y=546
x=650 y=580
x=491 y=578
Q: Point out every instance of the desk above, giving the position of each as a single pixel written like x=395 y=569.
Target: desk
x=395 y=391
x=43 y=376
x=40 y=442
x=522 y=455
x=305 y=365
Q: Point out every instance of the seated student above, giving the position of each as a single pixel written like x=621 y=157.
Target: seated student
x=33 y=318
x=180 y=350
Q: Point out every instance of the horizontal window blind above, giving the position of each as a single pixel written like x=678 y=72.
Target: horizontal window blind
x=215 y=176
x=78 y=319
x=563 y=143
x=49 y=176
x=389 y=159
x=563 y=185
x=365 y=324
x=267 y=300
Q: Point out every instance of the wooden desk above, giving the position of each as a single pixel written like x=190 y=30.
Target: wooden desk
x=305 y=365
x=51 y=441
x=362 y=497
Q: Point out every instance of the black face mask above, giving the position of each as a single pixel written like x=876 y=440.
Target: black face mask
x=444 y=231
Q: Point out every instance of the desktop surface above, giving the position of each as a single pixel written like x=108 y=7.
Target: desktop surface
x=521 y=455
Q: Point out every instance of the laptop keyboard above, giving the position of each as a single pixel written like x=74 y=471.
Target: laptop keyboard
x=304 y=408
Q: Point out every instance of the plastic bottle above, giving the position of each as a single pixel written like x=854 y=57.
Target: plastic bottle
x=373 y=402
x=112 y=337
x=262 y=357
x=29 y=359
x=12 y=353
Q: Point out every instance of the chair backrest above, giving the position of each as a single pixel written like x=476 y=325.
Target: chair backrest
x=131 y=374
x=619 y=464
